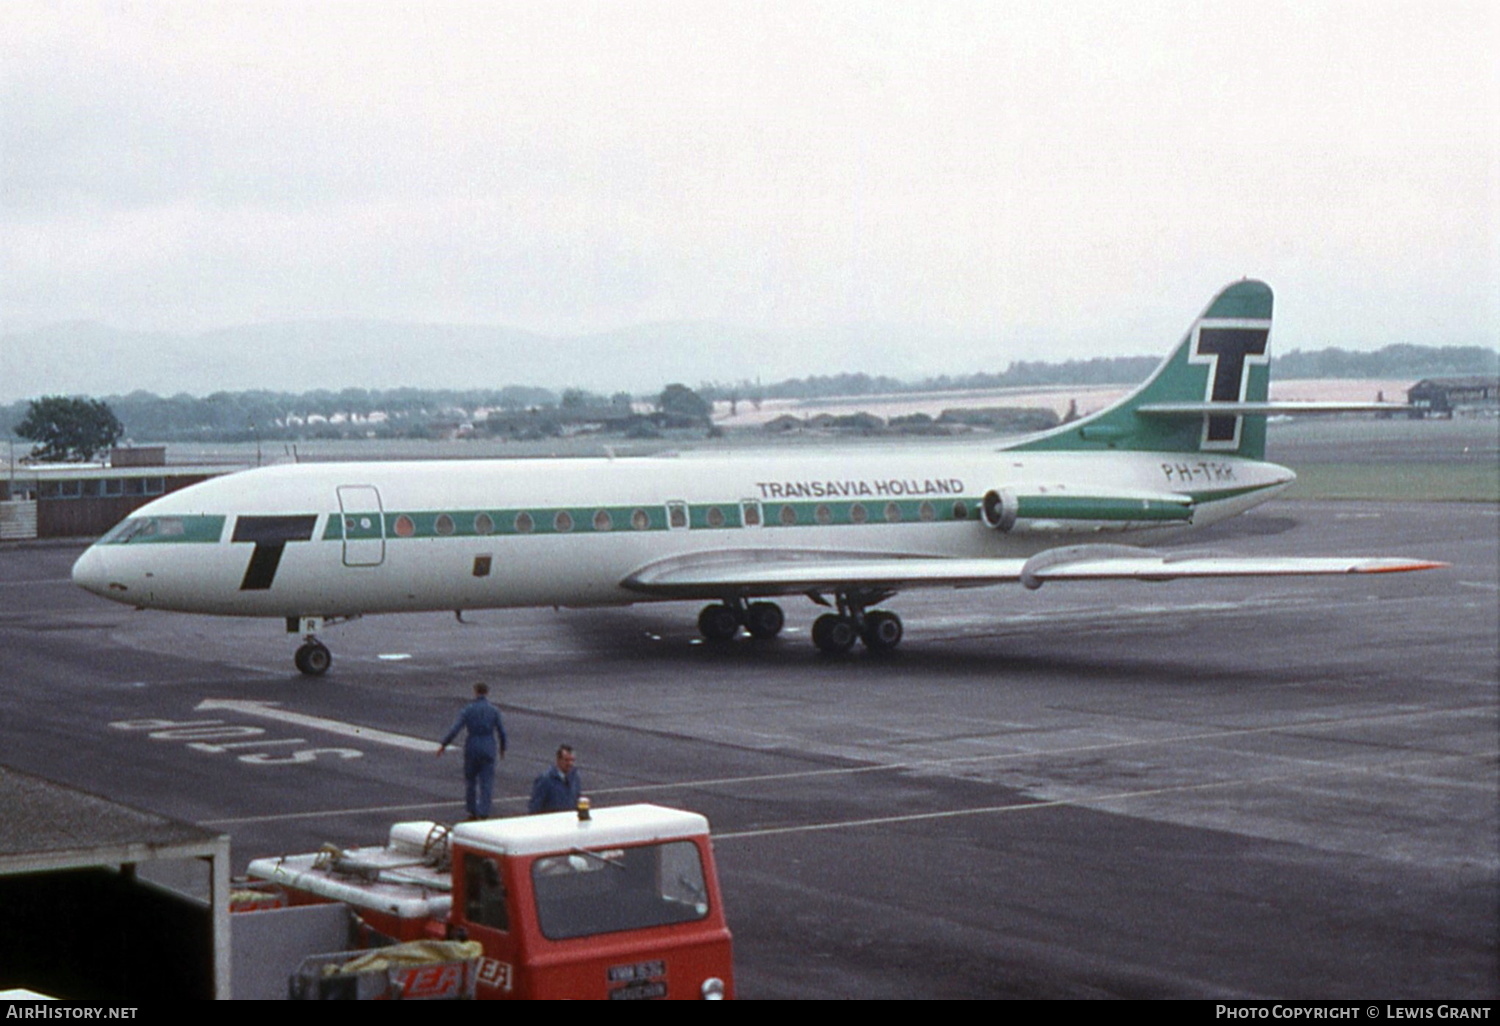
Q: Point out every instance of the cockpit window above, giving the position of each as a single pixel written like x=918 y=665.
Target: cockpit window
x=164 y=529
x=129 y=529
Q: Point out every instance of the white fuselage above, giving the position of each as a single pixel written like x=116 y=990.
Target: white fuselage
x=439 y=535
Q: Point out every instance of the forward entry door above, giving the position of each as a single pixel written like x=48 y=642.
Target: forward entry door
x=364 y=525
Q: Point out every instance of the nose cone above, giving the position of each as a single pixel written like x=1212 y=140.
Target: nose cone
x=91 y=574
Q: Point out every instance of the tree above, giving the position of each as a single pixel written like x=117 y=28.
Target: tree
x=69 y=430
x=682 y=404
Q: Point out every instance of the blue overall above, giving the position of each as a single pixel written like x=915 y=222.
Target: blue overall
x=483 y=723
x=554 y=792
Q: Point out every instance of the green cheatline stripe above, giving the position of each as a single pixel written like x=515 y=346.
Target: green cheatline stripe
x=700 y=517
x=1228 y=493
x=1083 y=507
x=600 y=519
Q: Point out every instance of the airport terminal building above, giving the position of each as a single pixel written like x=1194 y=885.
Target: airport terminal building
x=83 y=500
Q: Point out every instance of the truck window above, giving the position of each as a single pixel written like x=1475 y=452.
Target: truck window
x=585 y=893
x=484 y=893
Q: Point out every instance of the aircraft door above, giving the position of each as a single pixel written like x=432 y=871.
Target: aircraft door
x=364 y=525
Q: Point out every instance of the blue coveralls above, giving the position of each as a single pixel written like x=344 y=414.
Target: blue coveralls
x=483 y=723
x=554 y=792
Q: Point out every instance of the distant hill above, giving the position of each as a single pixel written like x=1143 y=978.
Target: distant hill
x=91 y=359
x=1401 y=361
x=414 y=411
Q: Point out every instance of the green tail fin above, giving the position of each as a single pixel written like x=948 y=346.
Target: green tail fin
x=1224 y=360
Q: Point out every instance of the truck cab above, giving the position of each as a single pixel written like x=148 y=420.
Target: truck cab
x=614 y=903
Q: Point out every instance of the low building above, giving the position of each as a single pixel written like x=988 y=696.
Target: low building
x=1442 y=397
x=79 y=919
x=83 y=500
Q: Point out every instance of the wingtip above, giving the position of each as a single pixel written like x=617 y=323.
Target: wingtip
x=1399 y=566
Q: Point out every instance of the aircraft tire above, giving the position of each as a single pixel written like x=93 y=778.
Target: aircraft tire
x=313 y=659
x=882 y=631
x=764 y=620
x=718 y=623
x=834 y=634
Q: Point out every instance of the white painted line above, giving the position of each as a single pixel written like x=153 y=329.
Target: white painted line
x=272 y=711
x=1083 y=802
x=850 y=771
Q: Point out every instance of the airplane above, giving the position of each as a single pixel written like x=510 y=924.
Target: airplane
x=317 y=544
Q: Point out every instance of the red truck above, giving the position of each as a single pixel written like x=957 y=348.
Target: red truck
x=618 y=903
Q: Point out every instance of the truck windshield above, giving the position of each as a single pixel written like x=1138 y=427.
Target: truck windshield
x=610 y=889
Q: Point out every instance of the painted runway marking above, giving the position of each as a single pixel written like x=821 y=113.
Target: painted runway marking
x=272 y=711
x=1484 y=585
x=1086 y=802
x=850 y=771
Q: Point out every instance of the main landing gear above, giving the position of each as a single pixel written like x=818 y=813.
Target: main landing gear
x=833 y=633
x=879 y=629
x=723 y=620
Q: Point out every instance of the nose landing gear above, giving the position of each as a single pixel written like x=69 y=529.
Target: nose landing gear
x=312 y=657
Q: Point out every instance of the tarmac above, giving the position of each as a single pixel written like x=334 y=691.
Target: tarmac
x=1221 y=789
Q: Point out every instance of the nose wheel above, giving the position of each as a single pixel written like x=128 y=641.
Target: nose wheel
x=313 y=658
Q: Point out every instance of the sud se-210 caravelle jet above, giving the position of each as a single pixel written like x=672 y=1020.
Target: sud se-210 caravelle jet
x=320 y=543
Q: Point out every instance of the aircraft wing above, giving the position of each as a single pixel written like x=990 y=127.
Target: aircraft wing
x=781 y=572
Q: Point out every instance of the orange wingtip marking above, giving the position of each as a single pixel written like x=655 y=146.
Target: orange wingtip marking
x=1403 y=568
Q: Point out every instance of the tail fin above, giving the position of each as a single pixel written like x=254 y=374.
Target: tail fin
x=1203 y=397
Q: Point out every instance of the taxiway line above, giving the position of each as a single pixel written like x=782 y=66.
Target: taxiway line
x=849 y=771
x=1084 y=802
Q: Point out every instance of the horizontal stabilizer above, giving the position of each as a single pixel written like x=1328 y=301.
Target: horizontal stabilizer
x=1285 y=407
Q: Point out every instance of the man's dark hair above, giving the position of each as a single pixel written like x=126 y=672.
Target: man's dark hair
x=481 y=688
x=563 y=748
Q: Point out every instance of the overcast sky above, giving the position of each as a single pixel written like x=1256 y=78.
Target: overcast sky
x=1071 y=179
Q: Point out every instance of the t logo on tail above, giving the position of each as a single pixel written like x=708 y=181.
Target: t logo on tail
x=1230 y=351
